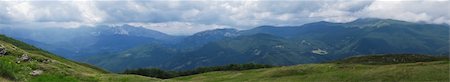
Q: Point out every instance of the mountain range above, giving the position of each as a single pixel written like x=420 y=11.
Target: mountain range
x=117 y=48
x=20 y=62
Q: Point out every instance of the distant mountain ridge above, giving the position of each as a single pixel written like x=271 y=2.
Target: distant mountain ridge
x=74 y=42
x=127 y=47
x=309 y=43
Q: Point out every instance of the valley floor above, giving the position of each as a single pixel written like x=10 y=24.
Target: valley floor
x=407 y=72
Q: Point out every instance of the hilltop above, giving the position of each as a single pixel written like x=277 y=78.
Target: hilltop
x=425 y=68
x=23 y=62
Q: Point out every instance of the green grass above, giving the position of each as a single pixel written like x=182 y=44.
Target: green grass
x=8 y=70
x=54 y=78
x=3 y=79
x=407 y=72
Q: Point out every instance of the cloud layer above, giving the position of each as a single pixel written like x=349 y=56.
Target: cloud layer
x=187 y=17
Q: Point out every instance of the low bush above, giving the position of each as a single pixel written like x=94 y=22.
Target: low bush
x=390 y=59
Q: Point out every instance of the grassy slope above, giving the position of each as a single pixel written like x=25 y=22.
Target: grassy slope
x=406 y=72
x=60 y=70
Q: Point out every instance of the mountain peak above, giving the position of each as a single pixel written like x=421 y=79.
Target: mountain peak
x=375 y=20
x=265 y=26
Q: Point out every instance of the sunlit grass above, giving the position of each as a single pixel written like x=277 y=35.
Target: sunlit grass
x=421 y=71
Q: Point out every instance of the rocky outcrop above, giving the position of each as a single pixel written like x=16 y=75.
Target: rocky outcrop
x=23 y=58
x=2 y=50
x=46 y=61
x=36 y=72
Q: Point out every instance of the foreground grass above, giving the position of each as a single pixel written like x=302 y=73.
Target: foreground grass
x=407 y=72
x=3 y=79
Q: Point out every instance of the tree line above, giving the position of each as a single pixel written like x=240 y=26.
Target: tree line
x=163 y=74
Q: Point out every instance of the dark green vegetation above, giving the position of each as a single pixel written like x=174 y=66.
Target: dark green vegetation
x=391 y=59
x=422 y=70
x=158 y=73
x=27 y=63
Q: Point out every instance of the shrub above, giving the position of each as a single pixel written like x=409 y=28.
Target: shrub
x=390 y=59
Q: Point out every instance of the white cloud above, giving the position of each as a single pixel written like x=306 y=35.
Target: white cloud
x=188 y=17
x=51 y=11
x=339 y=11
x=19 y=11
x=431 y=11
x=89 y=12
x=178 y=28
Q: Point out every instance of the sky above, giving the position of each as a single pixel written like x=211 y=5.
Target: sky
x=181 y=17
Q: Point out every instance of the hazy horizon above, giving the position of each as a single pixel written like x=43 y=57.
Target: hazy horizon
x=188 y=17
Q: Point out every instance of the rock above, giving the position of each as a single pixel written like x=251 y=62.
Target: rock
x=24 y=57
x=46 y=61
x=36 y=72
x=2 y=50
